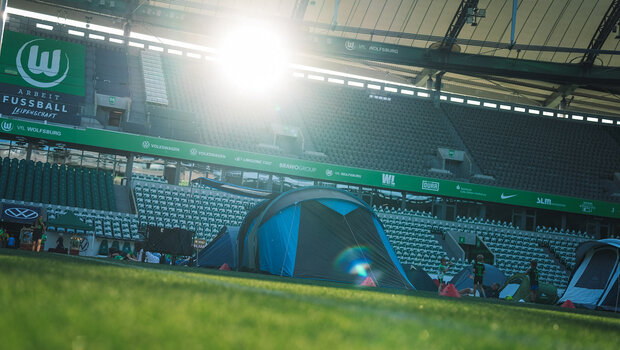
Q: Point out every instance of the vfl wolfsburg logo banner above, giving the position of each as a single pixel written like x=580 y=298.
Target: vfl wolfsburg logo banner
x=38 y=63
x=41 y=79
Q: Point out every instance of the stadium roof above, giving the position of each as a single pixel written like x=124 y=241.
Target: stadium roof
x=577 y=32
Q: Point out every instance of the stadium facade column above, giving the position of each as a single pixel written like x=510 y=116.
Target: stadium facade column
x=270 y=183
x=29 y=151
x=129 y=169
x=436 y=94
x=563 y=221
x=177 y=173
x=3 y=15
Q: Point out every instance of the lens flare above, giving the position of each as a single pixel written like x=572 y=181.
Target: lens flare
x=253 y=57
x=354 y=261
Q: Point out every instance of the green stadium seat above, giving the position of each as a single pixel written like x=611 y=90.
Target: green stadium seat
x=4 y=175
x=94 y=186
x=79 y=189
x=54 y=184
x=12 y=179
x=71 y=186
x=29 y=181
x=109 y=180
x=20 y=181
x=62 y=185
x=87 y=197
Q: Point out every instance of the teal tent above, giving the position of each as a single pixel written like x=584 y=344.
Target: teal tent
x=69 y=222
x=319 y=233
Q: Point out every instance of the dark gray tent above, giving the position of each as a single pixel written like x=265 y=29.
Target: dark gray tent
x=221 y=250
x=594 y=283
x=491 y=275
x=319 y=233
x=419 y=278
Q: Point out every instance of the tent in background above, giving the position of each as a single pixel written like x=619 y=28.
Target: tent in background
x=491 y=275
x=319 y=233
x=594 y=283
x=518 y=287
x=419 y=278
x=222 y=249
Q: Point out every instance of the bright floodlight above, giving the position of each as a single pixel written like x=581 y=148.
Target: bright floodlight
x=253 y=57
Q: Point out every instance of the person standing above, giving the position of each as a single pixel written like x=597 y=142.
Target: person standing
x=443 y=268
x=37 y=233
x=4 y=237
x=478 y=275
x=532 y=272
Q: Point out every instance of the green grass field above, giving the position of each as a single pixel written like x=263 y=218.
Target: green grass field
x=50 y=301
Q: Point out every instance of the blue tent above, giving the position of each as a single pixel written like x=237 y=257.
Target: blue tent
x=319 y=233
x=222 y=249
x=491 y=275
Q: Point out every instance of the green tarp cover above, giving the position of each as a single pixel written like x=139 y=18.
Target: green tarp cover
x=70 y=221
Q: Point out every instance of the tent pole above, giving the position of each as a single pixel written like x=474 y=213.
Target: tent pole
x=288 y=240
x=92 y=246
x=617 y=294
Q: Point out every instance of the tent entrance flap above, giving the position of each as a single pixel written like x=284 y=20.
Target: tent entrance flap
x=598 y=270
x=355 y=250
x=321 y=242
x=612 y=300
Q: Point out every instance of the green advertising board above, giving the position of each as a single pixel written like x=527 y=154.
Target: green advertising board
x=320 y=171
x=41 y=63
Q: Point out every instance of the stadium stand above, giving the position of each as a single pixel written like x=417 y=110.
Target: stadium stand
x=340 y=121
x=153 y=74
x=519 y=151
x=197 y=209
x=337 y=121
x=106 y=224
x=343 y=123
x=411 y=238
x=539 y=154
x=562 y=243
x=147 y=177
x=223 y=121
x=111 y=71
x=173 y=124
x=24 y=180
